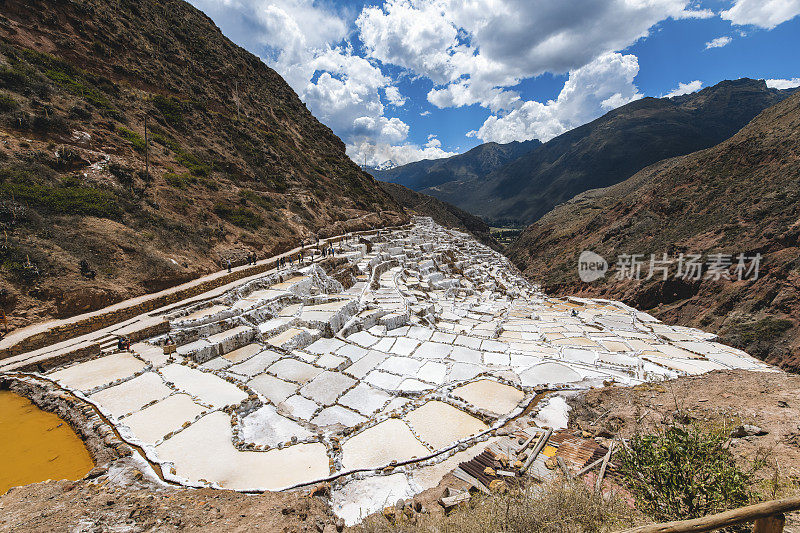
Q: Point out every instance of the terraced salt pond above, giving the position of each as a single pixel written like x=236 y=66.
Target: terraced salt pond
x=384 y=386
x=36 y=445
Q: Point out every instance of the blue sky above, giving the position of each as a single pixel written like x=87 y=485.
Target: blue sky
x=402 y=80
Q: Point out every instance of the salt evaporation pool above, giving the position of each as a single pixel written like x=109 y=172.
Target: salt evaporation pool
x=36 y=445
x=291 y=378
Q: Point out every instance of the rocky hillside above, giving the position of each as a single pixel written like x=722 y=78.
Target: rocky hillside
x=442 y=213
x=610 y=150
x=231 y=162
x=741 y=196
x=471 y=165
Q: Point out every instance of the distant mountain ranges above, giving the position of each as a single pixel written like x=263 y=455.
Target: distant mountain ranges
x=517 y=183
x=474 y=164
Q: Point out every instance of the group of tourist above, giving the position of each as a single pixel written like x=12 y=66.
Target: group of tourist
x=281 y=262
x=251 y=259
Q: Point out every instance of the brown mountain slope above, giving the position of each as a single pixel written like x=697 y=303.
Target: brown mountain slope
x=236 y=161
x=441 y=212
x=740 y=196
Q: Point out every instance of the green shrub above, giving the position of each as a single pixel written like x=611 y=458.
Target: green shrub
x=65 y=200
x=763 y=330
x=264 y=202
x=80 y=87
x=7 y=103
x=193 y=164
x=239 y=216
x=171 y=109
x=134 y=138
x=159 y=138
x=209 y=184
x=180 y=181
x=685 y=472
x=13 y=78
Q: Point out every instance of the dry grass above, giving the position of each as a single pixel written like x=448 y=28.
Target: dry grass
x=559 y=507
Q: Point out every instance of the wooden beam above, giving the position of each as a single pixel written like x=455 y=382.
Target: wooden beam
x=539 y=446
x=599 y=485
x=564 y=468
x=525 y=444
x=588 y=467
x=742 y=515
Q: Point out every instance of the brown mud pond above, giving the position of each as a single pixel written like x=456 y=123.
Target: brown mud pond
x=36 y=445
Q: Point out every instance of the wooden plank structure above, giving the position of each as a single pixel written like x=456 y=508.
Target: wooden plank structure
x=768 y=517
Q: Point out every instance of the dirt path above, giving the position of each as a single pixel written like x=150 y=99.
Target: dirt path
x=140 y=321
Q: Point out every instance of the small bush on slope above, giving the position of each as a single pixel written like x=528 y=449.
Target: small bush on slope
x=685 y=472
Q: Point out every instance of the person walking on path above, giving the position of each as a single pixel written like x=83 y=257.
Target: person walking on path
x=229 y=265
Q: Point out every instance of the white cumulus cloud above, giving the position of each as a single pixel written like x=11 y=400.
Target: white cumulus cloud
x=685 y=88
x=307 y=44
x=474 y=51
x=763 y=13
x=394 y=97
x=590 y=91
x=376 y=154
x=783 y=84
x=719 y=42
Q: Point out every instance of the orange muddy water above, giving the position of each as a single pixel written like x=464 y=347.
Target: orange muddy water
x=36 y=445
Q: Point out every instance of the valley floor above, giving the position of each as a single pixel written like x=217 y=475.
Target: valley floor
x=363 y=392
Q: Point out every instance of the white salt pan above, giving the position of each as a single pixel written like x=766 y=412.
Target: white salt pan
x=205 y=451
x=132 y=395
x=99 y=372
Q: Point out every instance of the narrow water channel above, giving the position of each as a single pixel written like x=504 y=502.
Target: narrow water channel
x=36 y=445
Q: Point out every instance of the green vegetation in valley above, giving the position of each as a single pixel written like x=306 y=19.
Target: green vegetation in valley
x=505 y=235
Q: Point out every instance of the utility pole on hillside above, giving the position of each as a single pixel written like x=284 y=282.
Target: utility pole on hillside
x=236 y=97
x=146 y=154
